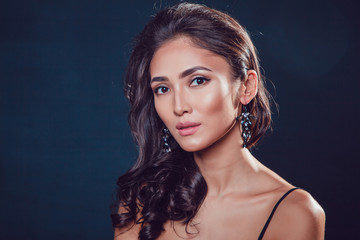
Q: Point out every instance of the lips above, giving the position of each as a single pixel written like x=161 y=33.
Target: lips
x=187 y=128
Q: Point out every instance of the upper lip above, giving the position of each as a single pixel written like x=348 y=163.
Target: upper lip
x=181 y=125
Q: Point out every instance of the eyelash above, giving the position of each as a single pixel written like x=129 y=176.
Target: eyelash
x=166 y=89
x=203 y=79
x=156 y=90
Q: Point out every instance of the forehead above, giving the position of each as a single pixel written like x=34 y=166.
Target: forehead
x=180 y=54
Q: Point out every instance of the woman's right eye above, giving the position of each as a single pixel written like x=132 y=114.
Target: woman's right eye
x=161 y=90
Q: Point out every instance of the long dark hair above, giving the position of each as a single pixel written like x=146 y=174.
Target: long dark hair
x=163 y=186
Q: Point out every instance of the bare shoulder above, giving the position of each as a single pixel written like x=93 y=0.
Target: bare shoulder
x=298 y=217
x=130 y=232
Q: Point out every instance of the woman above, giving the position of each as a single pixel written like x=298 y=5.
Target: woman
x=198 y=104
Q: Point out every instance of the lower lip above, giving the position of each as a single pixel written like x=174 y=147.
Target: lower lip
x=189 y=131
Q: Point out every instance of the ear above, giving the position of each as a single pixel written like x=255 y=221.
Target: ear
x=249 y=87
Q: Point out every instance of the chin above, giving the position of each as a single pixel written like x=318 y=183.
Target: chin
x=192 y=147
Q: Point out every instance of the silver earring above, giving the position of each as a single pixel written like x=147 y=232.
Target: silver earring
x=165 y=136
x=245 y=124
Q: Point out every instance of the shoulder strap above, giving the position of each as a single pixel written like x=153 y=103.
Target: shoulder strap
x=273 y=211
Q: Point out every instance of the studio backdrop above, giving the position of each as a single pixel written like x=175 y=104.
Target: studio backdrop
x=63 y=115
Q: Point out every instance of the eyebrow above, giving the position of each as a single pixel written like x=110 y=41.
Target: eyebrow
x=192 y=70
x=185 y=73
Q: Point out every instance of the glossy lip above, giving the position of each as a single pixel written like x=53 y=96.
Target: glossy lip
x=187 y=128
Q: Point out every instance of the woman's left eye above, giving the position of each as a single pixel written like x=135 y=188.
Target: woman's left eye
x=198 y=81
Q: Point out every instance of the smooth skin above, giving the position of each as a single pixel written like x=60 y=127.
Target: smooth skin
x=195 y=85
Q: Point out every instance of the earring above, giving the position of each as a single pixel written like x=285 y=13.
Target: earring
x=245 y=124
x=165 y=136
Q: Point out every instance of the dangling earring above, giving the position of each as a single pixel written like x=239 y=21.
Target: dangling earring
x=165 y=136
x=245 y=124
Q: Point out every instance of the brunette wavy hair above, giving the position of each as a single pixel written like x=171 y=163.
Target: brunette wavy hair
x=168 y=186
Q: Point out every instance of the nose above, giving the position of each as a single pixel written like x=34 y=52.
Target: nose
x=181 y=104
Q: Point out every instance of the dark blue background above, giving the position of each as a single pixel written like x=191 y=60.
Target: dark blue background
x=63 y=117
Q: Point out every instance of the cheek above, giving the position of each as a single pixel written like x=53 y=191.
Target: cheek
x=162 y=109
x=216 y=101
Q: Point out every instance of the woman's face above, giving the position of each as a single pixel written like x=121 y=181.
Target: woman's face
x=194 y=93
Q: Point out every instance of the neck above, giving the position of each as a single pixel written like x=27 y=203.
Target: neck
x=227 y=166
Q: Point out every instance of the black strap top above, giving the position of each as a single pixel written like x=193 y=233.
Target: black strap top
x=273 y=211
